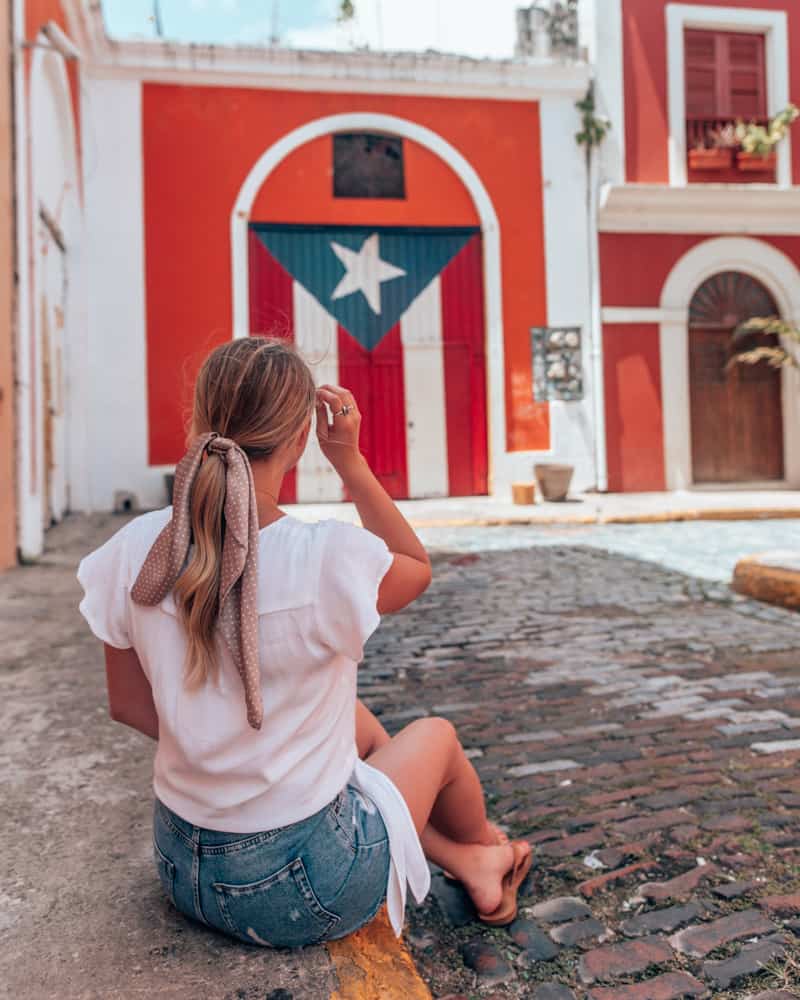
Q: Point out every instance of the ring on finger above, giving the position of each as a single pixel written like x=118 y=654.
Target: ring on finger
x=344 y=411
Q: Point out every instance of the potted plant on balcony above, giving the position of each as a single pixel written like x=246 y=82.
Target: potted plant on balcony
x=714 y=151
x=758 y=142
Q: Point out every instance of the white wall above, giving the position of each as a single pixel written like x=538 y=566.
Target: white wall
x=567 y=277
x=601 y=33
x=116 y=394
x=49 y=181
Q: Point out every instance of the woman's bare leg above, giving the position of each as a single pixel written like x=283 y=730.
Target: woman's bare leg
x=370 y=735
x=428 y=766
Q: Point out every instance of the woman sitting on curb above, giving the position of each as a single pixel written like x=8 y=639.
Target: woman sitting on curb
x=232 y=636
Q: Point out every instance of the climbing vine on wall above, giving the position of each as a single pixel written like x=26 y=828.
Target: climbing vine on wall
x=594 y=127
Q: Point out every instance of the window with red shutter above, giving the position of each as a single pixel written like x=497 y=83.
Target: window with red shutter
x=725 y=75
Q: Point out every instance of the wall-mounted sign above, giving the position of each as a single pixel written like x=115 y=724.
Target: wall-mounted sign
x=557 y=368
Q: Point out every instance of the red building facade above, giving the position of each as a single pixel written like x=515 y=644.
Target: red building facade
x=409 y=219
x=689 y=247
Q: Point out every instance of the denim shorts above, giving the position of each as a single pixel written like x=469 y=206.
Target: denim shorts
x=318 y=879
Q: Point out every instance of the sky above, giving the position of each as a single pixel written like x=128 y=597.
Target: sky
x=467 y=27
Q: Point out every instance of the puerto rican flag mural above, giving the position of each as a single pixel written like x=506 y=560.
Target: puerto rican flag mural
x=396 y=315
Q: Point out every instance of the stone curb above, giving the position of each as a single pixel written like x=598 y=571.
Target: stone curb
x=660 y=517
x=762 y=577
x=374 y=964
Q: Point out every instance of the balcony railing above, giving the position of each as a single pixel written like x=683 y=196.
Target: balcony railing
x=698 y=130
x=727 y=163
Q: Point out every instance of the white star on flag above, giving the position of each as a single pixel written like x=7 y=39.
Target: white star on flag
x=364 y=272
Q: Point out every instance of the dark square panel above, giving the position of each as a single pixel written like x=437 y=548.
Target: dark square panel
x=366 y=165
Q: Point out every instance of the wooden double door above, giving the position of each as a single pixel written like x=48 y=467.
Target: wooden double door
x=736 y=409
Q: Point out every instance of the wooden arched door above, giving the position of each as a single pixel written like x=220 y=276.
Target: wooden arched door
x=736 y=413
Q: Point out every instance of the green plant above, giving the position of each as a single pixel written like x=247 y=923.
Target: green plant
x=594 y=127
x=776 y=355
x=760 y=140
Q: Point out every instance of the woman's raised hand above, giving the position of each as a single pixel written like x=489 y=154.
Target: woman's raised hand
x=338 y=439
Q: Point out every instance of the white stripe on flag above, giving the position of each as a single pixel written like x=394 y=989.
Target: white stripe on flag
x=316 y=336
x=423 y=378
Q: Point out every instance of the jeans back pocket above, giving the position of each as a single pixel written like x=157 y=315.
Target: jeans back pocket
x=281 y=911
x=166 y=872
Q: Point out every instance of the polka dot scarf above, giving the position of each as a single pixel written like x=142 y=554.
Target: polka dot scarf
x=238 y=615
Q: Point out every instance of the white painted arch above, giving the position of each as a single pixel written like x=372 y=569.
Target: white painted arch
x=781 y=277
x=490 y=228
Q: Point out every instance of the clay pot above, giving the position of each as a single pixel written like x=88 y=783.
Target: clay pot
x=553 y=480
x=523 y=493
x=752 y=161
x=710 y=159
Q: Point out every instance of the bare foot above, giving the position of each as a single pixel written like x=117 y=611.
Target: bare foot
x=483 y=876
x=494 y=836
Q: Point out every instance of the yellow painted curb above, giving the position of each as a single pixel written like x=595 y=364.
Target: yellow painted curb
x=711 y=514
x=771 y=584
x=374 y=964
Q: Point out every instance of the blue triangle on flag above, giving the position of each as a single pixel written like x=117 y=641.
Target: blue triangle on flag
x=365 y=277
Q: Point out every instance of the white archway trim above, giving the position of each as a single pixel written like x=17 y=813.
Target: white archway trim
x=778 y=274
x=490 y=228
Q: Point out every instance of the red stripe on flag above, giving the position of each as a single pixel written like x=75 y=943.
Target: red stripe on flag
x=463 y=347
x=376 y=380
x=271 y=313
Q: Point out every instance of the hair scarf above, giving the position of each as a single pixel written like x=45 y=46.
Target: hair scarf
x=238 y=615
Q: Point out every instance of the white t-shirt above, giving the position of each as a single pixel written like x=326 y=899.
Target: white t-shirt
x=317 y=596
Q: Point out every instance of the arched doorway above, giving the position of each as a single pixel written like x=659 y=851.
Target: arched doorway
x=383 y=292
x=485 y=379
x=735 y=411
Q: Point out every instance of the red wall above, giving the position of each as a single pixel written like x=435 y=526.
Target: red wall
x=199 y=145
x=645 y=75
x=633 y=270
x=634 y=429
x=634 y=266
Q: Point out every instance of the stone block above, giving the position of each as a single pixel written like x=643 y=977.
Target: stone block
x=485 y=959
x=578 y=932
x=699 y=940
x=668 y=986
x=535 y=944
x=751 y=959
x=627 y=959
x=662 y=921
x=560 y=910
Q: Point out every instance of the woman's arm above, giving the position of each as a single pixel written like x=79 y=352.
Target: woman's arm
x=130 y=697
x=410 y=573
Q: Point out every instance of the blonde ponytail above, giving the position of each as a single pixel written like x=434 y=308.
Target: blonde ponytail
x=258 y=392
x=197 y=588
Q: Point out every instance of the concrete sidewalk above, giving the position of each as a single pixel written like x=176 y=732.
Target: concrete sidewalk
x=582 y=508
x=82 y=914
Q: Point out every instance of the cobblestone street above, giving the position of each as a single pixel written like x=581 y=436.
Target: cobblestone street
x=640 y=726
